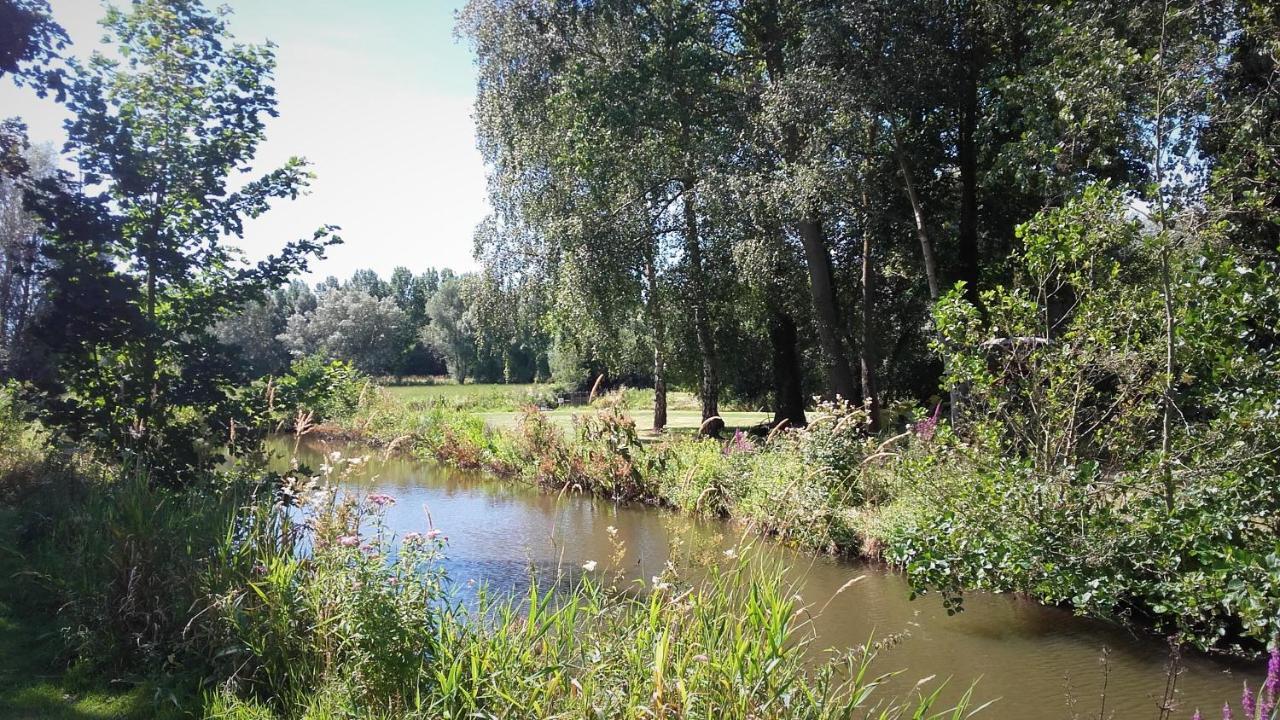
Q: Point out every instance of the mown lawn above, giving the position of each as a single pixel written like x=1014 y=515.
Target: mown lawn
x=500 y=405
x=676 y=419
x=514 y=393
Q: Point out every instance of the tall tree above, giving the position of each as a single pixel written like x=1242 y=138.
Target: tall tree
x=166 y=128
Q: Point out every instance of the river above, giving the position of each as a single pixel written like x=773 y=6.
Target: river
x=1035 y=661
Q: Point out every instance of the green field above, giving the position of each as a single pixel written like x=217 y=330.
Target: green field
x=478 y=393
x=500 y=405
x=676 y=419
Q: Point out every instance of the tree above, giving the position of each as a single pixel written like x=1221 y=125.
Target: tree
x=350 y=324
x=368 y=281
x=139 y=274
x=254 y=332
x=451 y=333
x=30 y=42
x=21 y=235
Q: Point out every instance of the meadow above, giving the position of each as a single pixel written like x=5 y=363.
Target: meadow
x=501 y=405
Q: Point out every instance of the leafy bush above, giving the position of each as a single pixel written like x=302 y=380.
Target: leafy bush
x=24 y=447
x=314 y=387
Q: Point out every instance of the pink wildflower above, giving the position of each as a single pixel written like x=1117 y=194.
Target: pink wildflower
x=925 y=428
x=432 y=534
x=348 y=541
x=382 y=500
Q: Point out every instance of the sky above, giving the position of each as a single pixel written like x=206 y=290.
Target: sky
x=377 y=94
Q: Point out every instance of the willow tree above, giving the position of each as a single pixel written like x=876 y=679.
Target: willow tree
x=594 y=167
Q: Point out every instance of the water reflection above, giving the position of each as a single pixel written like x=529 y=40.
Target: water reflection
x=1035 y=659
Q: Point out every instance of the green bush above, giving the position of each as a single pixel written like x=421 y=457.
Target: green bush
x=314 y=387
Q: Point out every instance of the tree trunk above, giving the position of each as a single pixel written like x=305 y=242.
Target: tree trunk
x=922 y=232
x=818 y=259
x=826 y=310
x=967 y=255
x=926 y=249
x=658 y=329
x=709 y=389
x=867 y=342
x=7 y=315
x=788 y=393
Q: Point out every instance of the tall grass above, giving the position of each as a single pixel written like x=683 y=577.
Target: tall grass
x=365 y=628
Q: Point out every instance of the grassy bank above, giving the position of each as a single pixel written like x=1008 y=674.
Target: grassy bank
x=248 y=596
x=954 y=515
x=36 y=680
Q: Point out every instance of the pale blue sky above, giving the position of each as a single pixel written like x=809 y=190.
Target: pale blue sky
x=377 y=94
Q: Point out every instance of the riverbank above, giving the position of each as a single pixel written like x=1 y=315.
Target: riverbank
x=247 y=594
x=951 y=514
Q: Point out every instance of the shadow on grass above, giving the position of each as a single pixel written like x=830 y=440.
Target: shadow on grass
x=35 y=683
x=35 y=686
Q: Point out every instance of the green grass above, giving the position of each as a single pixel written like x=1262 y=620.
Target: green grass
x=500 y=405
x=453 y=390
x=35 y=682
x=474 y=397
x=676 y=419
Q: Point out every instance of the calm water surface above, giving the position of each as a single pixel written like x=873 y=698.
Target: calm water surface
x=1036 y=660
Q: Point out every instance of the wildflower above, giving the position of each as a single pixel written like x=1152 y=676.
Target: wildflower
x=738 y=444
x=589 y=566
x=1272 y=684
x=925 y=428
x=433 y=533
x=731 y=553
x=412 y=538
x=382 y=500
x=348 y=541
x=1197 y=716
x=1226 y=711
x=368 y=549
x=659 y=585
x=259 y=569
x=1247 y=702
x=393 y=581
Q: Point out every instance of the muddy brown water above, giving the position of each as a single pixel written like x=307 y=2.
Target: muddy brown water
x=1035 y=661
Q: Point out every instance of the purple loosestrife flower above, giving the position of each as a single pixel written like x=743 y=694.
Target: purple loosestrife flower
x=738 y=444
x=925 y=428
x=1247 y=703
x=1197 y=716
x=1272 y=685
x=1226 y=711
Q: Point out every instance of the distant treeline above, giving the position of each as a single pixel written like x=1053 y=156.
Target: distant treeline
x=405 y=325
